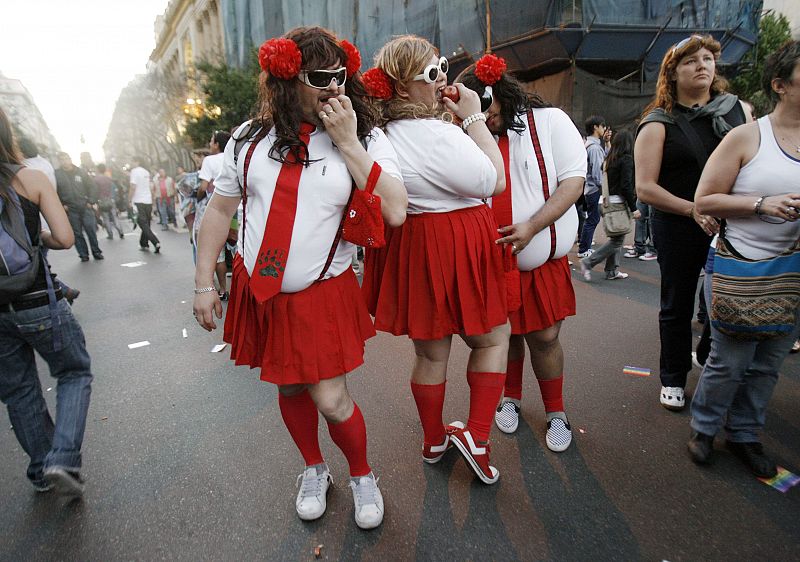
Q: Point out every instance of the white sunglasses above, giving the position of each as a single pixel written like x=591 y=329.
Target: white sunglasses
x=683 y=42
x=431 y=72
x=321 y=79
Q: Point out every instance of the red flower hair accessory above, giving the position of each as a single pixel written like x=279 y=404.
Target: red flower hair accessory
x=489 y=69
x=353 y=62
x=281 y=58
x=378 y=84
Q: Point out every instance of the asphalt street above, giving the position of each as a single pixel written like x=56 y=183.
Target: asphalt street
x=186 y=456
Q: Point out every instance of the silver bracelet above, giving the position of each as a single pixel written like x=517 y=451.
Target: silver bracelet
x=757 y=206
x=204 y=290
x=474 y=118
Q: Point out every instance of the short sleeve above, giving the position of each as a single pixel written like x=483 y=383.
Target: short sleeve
x=569 y=154
x=227 y=182
x=382 y=151
x=454 y=160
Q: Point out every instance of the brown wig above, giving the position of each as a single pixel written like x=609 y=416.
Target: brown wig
x=780 y=66
x=667 y=88
x=8 y=155
x=509 y=93
x=278 y=105
x=401 y=59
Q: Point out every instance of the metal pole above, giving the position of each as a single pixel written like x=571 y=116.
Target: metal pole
x=488 y=26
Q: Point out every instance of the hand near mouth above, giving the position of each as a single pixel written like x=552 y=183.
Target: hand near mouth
x=339 y=120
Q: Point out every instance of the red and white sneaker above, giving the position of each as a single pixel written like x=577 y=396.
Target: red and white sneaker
x=432 y=454
x=477 y=456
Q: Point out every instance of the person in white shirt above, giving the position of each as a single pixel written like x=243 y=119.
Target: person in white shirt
x=441 y=273
x=209 y=170
x=141 y=195
x=546 y=166
x=295 y=309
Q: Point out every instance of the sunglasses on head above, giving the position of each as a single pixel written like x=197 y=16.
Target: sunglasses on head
x=684 y=42
x=431 y=72
x=487 y=99
x=321 y=79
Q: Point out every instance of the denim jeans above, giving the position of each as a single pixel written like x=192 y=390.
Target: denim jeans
x=166 y=210
x=83 y=220
x=592 y=220
x=111 y=218
x=22 y=332
x=608 y=252
x=643 y=234
x=737 y=383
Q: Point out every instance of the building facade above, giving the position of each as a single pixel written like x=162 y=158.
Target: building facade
x=20 y=108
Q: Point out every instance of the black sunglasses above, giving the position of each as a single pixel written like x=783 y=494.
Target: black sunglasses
x=321 y=79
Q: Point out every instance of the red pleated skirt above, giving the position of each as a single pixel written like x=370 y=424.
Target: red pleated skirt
x=298 y=338
x=439 y=274
x=547 y=297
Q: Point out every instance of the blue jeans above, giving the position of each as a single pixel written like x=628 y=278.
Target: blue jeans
x=22 y=332
x=83 y=220
x=592 y=220
x=166 y=210
x=643 y=234
x=737 y=383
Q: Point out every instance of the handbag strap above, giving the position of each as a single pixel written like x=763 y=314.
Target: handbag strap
x=700 y=153
x=248 y=156
x=537 y=149
x=604 y=186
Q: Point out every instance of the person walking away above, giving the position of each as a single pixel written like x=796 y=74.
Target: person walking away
x=209 y=170
x=690 y=100
x=165 y=199
x=538 y=226
x=140 y=194
x=106 y=203
x=619 y=170
x=78 y=193
x=36 y=318
x=751 y=181
x=295 y=309
x=596 y=128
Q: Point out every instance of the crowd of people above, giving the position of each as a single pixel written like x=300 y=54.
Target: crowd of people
x=467 y=199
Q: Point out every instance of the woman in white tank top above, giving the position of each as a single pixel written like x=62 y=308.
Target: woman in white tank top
x=752 y=180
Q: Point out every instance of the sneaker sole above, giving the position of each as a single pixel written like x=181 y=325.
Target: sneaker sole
x=64 y=484
x=434 y=460
x=473 y=465
x=673 y=408
x=557 y=448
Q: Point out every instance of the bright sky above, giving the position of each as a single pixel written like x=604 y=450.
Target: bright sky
x=74 y=57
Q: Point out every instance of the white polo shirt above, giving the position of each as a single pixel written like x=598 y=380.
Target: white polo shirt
x=323 y=192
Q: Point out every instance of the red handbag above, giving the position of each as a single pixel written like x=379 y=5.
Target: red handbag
x=363 y=222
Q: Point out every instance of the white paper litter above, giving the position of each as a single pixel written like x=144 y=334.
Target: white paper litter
x=138 y=344
x=219 y=347
x=133 y=264
x=185 y=333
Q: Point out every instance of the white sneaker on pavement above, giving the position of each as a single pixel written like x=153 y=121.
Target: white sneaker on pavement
x=672 y=398
x=367 y=500
x=559 y=434
x=585 y=254
x=648 y=256
x=311 y=499
x=506 y=418
x=631 y=254
x=616 y=275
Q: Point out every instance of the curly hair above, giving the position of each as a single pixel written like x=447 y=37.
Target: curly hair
x=401 y=59
x=278 y=105
x=509 y=93
x=667 y=87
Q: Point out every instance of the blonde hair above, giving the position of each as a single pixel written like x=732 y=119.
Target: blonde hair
x=401 y=59
x=667 y=86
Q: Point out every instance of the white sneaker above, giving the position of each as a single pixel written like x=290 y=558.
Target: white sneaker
x=367 y=500
x=506 y=418
x=611 y=276
x=586 y=273
x=585 y=254
x=631 y=254
x=559 y=435
x=648 y=257
x=672 y=398
x=311 y=499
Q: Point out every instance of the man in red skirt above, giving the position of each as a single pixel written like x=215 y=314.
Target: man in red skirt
x=295 y=309
x=545 y=166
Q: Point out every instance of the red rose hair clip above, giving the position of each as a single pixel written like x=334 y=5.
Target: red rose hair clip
x=489 y=69
x=282 y=58
x=378 y=84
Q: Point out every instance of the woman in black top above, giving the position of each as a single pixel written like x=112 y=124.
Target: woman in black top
x=40 y=319
x=619 y=167
x=683 y=125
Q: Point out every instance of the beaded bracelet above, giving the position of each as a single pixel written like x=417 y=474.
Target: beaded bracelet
x=204 y=290
x=474 y=118
x=757 y=206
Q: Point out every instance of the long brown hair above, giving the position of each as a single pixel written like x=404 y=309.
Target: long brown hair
x=278 y=105
x=667 y=87
x=401 y=59
x=9 y=154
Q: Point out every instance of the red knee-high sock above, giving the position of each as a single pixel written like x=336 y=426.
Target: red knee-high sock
x=514 y=379
x=552 y=394
x=302 y=420
x=484 y=394
x=430 y=402
x=351 y=437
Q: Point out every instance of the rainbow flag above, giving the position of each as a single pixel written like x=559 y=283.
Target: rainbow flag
x=636 y=371
x=782 y=481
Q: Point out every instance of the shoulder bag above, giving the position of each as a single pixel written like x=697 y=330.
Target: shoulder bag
x=617 y=218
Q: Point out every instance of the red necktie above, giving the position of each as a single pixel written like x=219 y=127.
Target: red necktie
x=501 y=206
x=267 y=276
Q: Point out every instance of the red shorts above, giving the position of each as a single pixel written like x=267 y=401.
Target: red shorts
x=547 y=297
x=439 y=274
x=315 y=334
